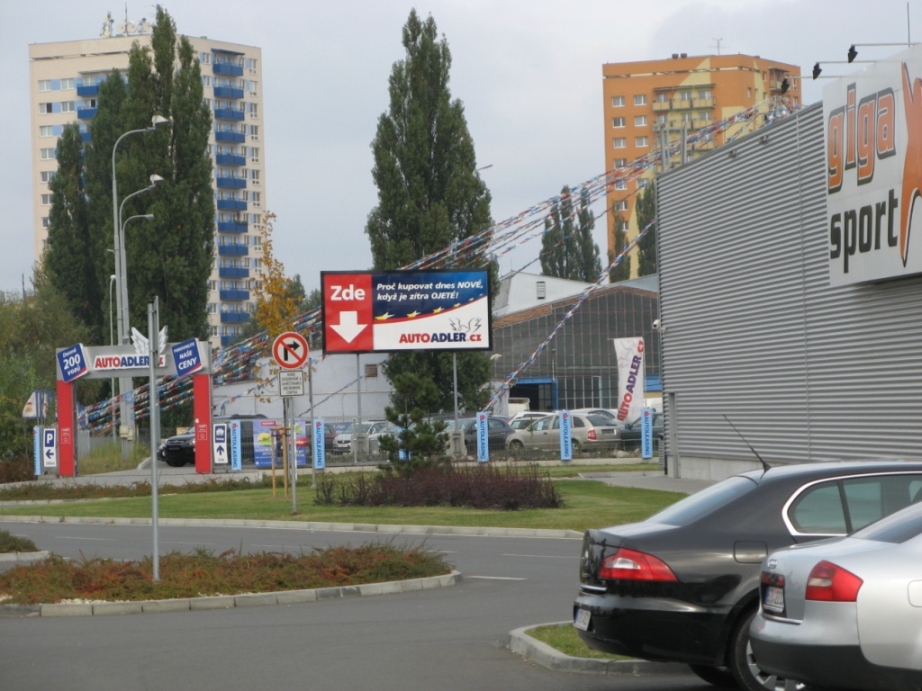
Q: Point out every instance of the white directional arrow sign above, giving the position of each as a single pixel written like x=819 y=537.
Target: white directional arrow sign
x=348 y=327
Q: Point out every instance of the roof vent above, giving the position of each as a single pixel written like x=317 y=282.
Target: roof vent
x=675 y=56
x=684 y=55
x=542 y=289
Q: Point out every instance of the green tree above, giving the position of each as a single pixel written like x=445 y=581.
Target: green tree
x=567 y=248
x=622 y=272
x=421 y=441
x=71 y=256
x=429 y=193
x=646 y=248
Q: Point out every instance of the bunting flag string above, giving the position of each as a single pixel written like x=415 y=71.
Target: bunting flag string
x=236 y=363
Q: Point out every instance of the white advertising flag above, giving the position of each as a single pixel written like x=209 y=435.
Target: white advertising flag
x=631 y=384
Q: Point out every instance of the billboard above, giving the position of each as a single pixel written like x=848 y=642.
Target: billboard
x=406 y=310
x=873 y=137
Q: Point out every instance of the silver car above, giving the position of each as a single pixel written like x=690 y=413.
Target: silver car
x=588 y=432
x=846 y=613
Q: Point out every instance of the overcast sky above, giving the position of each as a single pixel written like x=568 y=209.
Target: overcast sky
x=527 y=71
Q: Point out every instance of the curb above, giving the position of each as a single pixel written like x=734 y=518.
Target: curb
x=550 y=658
x=282 y=597
x=383 y=529
x=23 y=557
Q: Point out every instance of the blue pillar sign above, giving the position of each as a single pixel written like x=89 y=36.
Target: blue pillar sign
x=646 y=433
x=483 y=437
x=219 y=444
x=318 y=445
x=235 y=446
x=50 y=448
x=566 y=436
x=37 y=449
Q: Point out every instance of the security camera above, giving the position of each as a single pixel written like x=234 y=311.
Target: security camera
x=657 y=324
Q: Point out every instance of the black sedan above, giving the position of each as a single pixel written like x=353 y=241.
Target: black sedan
x=683 y=585
x=497 y=431
x=630 y=434
x=178 y=450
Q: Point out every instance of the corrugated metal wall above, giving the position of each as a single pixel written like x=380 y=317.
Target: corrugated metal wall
x=754 y=331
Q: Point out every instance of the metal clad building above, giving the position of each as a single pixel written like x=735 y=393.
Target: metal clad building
x=752 y=328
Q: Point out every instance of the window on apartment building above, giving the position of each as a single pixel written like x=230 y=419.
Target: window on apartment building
x=640 y=100
x=620 y=184
x=204 y=58
x=253 y=109
x=45 y=108
x=687 y=117
x=704 y=94
x=256 y=198
x=47 y=175
x=67 y=84
x=686 y=96
x=212 y=330
x=619 y=142
x=661 y=119
x=212 y=308
x=254 y=132
x=705 y=116
x=250 y=63
x=620 y=162
x=45 y=222
x=617 y=101
x=621 y=206
x=642 y=141
x=258 y=264
x=662 y=97
x=640 y=121
x=255 y=220
x=44 y=85
x=254 y=175
x=46 y=131
x=254 y=154
x=257 y=242
x=67 y=107
x=642 y=182
x=212 y=285
x=206 y=80
x=251 y=86
x=46 y=199
x=48 y=154
x=618 y=122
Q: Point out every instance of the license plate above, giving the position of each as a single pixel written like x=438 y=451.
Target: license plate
x=608 y=432
x=773 y=599
x=582 y=619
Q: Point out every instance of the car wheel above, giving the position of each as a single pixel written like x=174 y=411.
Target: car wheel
x=721 y=677
x=516 y=445
x=577 y=449
x=175 y=463
x=743 y=666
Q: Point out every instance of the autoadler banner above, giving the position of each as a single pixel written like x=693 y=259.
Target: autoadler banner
x=631 y=384
x=873 y=136
x=405 y=310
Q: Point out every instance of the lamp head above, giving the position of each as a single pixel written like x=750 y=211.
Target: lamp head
x=154 y=179
x=817 y=70
x=158 y=120
x=852 y=53
x=149 y=217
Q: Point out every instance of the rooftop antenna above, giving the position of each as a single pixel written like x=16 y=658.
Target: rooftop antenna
x=718 y=40
x=765 y=466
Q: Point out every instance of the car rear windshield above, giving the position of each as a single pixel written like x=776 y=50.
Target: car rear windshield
x=705 y=502
x=896 y=528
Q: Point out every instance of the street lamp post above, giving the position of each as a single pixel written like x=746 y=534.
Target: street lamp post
x=112 y=280
x=121 y=295
x=124 y=327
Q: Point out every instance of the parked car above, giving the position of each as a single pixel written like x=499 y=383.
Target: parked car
x=524 y=422
x=178 y=450
x=630 y=434
x=498 y=430
x=342 y=443
x=611 y=414
x=683 y=585
x=846 y=613
x=588 y=433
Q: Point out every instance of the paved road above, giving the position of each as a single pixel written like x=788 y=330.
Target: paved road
x=451 y=638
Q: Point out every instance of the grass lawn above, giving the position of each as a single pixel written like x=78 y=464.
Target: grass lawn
x=588 y=504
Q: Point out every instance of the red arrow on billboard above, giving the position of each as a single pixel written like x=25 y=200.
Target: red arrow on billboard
x=347 y=312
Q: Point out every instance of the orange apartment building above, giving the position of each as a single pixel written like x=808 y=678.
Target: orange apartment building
x=650 y=104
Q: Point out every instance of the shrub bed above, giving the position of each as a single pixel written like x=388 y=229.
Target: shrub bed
x=481 y=487
x=11 y=543
x=202 y=573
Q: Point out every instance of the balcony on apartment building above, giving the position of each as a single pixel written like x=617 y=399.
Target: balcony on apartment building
x=234 y=317
x=233 y=295
x=231 y=227
x=228 y=114
x=662 y=106
x=233 y=272
x=231 y=205
x=88 y=90
x=228 y=92
x=229 y=69
x=86 y=113
x=233 y=249
x=228 y=136
x=231 y=183
x=230 y=160
x=228 y=339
